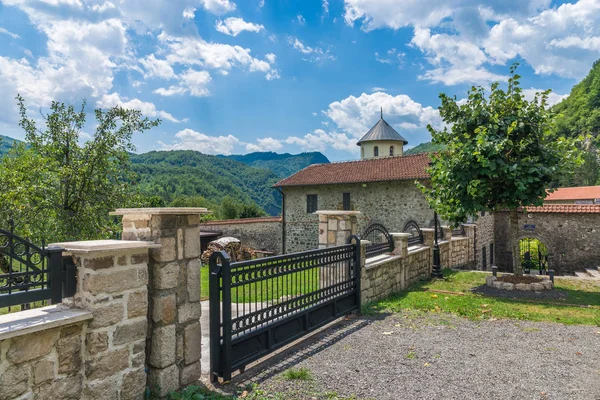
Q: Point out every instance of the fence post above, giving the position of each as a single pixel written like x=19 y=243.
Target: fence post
x=216 y=273
x=357 y=266
x=56 y=273
x=226 y=360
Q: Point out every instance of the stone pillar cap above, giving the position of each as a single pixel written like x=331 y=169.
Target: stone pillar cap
x=337 y=212
x=427 y=229
x=400 y=234
x=162 y=211
x=94 y=246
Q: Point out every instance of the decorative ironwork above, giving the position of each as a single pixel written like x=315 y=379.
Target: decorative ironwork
x=258 y=306
x=381 y=240
x=459 y=230
x=534 y=255
x=440 y=231
x=29 y=273
x=416 y=236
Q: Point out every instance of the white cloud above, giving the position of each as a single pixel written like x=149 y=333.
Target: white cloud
x=234 y=26
x=265 y=144
x=157 y=68
x=9 y=33
x=314 y=114
x=272 y=75
x=223 y=57
x=314 y=54
x=319 y=140
x=356 y=115
x=378 y=89
x=456 y=75
x=195 y=82
x=325 y=7
x=218 y=7
x=189 y=139
x=189 y=13
x=147 y=109
x=301 y=19
x=553 y=98
x=261 y=3
x=171 y=91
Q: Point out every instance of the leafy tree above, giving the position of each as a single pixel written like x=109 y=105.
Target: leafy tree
x=62 y=189
x=229 y=209
x=251 y=211
x=500 y=154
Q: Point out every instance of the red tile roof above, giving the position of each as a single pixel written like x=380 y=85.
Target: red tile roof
x=373 y=170
x=566 y=208
x=575 y=193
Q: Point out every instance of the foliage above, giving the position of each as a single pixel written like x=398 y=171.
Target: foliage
x=6 y=144
x=426 y=147
x=61 y=189
x=501 y=153
x=580 y=306
x=298 y=374
x=283 y=165
x=175 y=175
x=579 y=114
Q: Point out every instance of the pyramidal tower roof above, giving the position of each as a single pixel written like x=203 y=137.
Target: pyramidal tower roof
x=382 y=131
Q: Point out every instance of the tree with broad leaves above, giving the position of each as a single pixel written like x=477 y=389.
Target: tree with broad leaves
x=500 y=154
x=62 y=186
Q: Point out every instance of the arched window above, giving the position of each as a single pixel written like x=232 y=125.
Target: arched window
x=391 y=151
x=376 y=152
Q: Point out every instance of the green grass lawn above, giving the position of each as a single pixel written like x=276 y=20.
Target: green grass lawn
x=273 y=289
x=475 y=306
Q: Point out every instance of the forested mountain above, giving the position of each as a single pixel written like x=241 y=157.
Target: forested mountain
x=579 y=114
x=426 y=147
x=186 y=173
x=283 y=165
x=6 y=144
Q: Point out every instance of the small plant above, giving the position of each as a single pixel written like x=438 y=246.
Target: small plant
x=189 y=393
x=410 y=355
x=298 y=374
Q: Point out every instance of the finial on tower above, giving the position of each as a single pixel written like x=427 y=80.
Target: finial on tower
x=381 y=112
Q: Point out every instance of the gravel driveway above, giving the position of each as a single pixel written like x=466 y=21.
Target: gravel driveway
x=415 y=355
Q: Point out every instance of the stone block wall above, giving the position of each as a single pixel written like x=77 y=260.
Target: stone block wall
x=94 y=345
x=571 y=238
x=460 y=252
x=390 y=203
x=485 y=236
x=257 y=233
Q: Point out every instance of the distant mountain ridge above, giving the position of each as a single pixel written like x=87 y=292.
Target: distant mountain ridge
x=284 y=164
x=426 y=147
x=6 y=143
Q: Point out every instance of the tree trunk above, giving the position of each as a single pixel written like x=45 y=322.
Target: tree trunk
x=514 y=241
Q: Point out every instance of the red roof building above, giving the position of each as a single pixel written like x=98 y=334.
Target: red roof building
x=574 y=195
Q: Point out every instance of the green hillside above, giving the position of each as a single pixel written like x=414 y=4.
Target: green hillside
x=283 y=165
x=6 y=144
x=172 y=174
x=579 y=114
x=426 y=147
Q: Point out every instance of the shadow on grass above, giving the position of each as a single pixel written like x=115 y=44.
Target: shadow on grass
x=292 y=356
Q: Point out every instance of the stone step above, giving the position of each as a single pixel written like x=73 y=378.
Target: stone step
x=583 y=275
x=594 y=273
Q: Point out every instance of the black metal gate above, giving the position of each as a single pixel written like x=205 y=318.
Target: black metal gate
x=416 y=236
x=534 y=255
x=260 y=305
x=380 y=240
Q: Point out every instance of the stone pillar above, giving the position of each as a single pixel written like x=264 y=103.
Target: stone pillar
x=174 y=291
x=428 y=236
x=400 y=243
x=112 y=279
x=447 y=232
x=470 y=231
x=335 y=227
x=365 y=282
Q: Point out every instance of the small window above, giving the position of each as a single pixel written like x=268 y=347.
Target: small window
x=376 y=152
x=311 y=203
x=391 y=151
x=346 y=202
x=492 y=253
x=483 y=259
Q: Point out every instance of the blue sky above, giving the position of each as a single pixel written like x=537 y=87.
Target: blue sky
x=234 y=76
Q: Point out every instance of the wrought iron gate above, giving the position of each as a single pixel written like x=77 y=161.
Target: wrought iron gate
x=261 y=305
x=416 y=236
x=534 y=255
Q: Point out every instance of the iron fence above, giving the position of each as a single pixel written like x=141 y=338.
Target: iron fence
x=416 y=236
x=258 y=306
x=381 y=240
x=31 y=274
x=459 y=230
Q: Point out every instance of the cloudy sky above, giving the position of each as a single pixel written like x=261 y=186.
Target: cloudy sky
x=235 y=76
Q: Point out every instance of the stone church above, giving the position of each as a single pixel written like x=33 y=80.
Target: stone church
x=381 y=185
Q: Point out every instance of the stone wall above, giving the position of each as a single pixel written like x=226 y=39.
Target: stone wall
x=571 y=238
x=257 y=233
x=93 y=350
x=484 y=241
x=391 y=203
x=384 y=275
